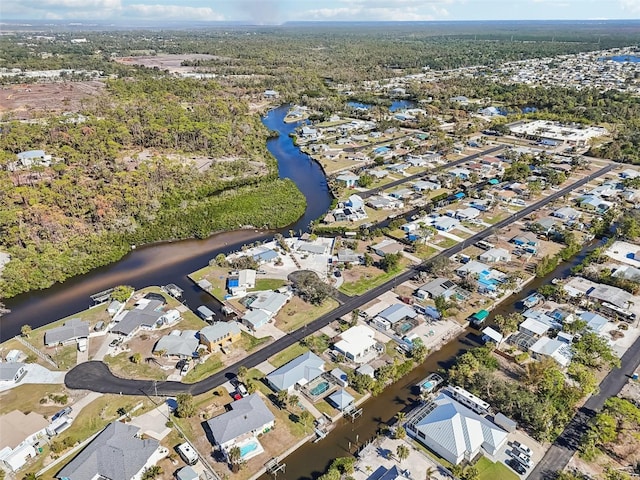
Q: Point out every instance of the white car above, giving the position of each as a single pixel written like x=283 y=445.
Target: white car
x=520 y=457
x=521 y=447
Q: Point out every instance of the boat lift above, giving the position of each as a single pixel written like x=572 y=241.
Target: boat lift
x=352 y=412
x=274 y=467
x=101 y=297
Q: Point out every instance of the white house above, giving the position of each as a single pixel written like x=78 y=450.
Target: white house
x=386 y=246
x=29 y=159
x=12 y=372
x=241 y=281
x=20 y=434
x=453 y=431
x=356 y=342
x=495 y=255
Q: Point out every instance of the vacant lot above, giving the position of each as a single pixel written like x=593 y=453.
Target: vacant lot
x=30 y=100
x=298 y=312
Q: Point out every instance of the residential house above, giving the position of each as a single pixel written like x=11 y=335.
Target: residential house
x=557 y=348
x=309 y=133
x=341 y=399
x=181 y=344
x=461 y=173
x=567 y=213
x=494 y=255
x=446 y=224
x=426 y=185
x=219 y=335
x=595 y=322
x=268 y=301
x=387 y=246
x=349 y=179
x=533 y=327
x=483 y=205
x=461 y=99
x=147 y=313
x=546 y=225
x=366 y=369
x=398 y=167
x=439 y=287
x=469 y=213
x=378 y=174
x=20 y=435
x=30 y=159
x=299 y=371
x=506 y=196
x=265 y=255
x=70 y=331
x=355 y=202
x=401 y=193
x=348 y=256
x=384 y=202
x=270 y=94
x=488 y=279
x=453 y=431
x=491 y=335
x=627 y=272
x=355 y=343
x=417 y=161
x=247 y=419
x=595 y=203
x=394 y=314
x=12 y=372
x=241 y=281
x=629 y=173
x=118 y=452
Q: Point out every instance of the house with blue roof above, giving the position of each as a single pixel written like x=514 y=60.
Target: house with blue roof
x=594 y=321
x=299 y=371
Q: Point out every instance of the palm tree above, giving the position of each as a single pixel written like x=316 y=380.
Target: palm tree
x=400 y=416
x=283 y=396
x=242 y=373
x=402 y=452
x=234 y=455
x=25 y=330
x=429 y=473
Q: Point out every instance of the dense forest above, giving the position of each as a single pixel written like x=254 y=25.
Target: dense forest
x=125 y=175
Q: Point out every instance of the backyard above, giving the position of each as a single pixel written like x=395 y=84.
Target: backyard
x=363 y=278
x=297 y=313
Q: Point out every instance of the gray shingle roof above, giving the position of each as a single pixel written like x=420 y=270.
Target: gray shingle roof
x=146 y=313
x=115 y=454
x=72 y=329
x=305 y=367
x=183 y=344
x=219 y=330
x=397 y=312
x=246 y=415
x=8 y=370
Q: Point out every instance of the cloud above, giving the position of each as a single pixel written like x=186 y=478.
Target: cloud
x=381 y=10
x=172 y=12
x=632 y=6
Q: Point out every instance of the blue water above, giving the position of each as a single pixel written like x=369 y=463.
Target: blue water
x=248 y=448
x=320 y=388
x=427 y=385
x=297 y=166
x=401 y=105
x=366 y=106
x=623 y=58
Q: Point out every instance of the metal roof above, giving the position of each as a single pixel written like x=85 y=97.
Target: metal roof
x=397 y=312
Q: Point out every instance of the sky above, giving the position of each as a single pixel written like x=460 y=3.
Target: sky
x=263 y=12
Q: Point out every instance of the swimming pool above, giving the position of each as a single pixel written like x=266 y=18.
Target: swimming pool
x=428 y=385
x=247 y=448
x=319 y=389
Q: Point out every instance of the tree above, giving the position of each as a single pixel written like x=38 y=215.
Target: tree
x=400 y=433
x=242 y=373
x=402 y=452
x=136 y=358
x=368 y=260
x=419 y=351
x=594 y=351
x=186 y=406
x=121 y=293
x=293 y=400
x=470 y=473
x=25 y=330
x=365 y=180
x=221 y=260
x=283 y=397
x=234 y=455
x=390 y=261
x=510 y=323
x=151 y=472
x=441 y=305
x=305 y=417
x=429 y=473
x=252 y=386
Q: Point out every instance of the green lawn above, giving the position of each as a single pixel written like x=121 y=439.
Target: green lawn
x=496 y=218
x=425 y=251
x=26 y=398
x=121 y=365
x=203 y=370
x=494 y=471
x=249 y=342
x=269 y=283
x=297 y=313
x=364 y=284
x=287 y=355
x=447 y=242
x=217 y=276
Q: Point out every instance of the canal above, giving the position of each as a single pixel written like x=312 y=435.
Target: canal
x=171 y=262
x=312 y=459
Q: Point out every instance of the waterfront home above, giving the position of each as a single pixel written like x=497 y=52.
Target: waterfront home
x=264 y=255
x=146 y=314
x=117 y=452
x=488 y=279
x=349 y=179
x=180 y=344
x=594 y=321
x=356 y=343
x=309 y=133
x=70 y=331
x=533 y=328
x=247 y=419
x=355 y=202
x=627 y=272
x=20 y=435
x=239 y=282
x=491 y=335
x=494 y=255
x=454 y=431
x=341 y=399
x=386 y=246
x=366 y=369
x=269 y=301
x=298 y=372
x=439 y=287
x=219 y=335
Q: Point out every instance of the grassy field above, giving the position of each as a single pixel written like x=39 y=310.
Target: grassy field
x=121 y=365
x=447 y=242
x=249 y=342
x=425 y=251
x=269 y=284
x=216 y=275
x=203 y=370
x=364 y=284
x=297 y=313
x=496 y=218
x=26 y=398
x=487 y=470
x=287 y=355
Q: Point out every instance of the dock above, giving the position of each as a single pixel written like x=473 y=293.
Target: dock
x=101 y=297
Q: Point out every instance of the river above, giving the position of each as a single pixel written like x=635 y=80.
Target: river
x=312 y=459
x=171 y=262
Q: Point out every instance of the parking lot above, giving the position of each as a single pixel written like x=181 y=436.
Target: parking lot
x=537 y=450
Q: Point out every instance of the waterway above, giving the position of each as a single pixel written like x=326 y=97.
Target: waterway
x=312 y=459
x=623 y=58
x=171 y=262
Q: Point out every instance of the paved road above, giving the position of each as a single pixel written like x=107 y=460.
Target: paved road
x=558 y=456
x=417 y=176
x=96 y=376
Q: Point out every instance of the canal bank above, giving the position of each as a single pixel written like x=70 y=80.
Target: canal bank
x=171 y=262
x=311 y=460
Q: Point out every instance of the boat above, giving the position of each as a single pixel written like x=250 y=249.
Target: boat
x=532 y=300
x=479 y=317
x=430 y=383
x=173 y=290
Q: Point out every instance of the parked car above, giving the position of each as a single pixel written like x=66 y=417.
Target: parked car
x=337 y=273
x=64 y=411
x=521 y=447
x=115 y=342
x=180 y=365
x=184 y=369
x=516 y=466
x=242 y=390
x=520 y=457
